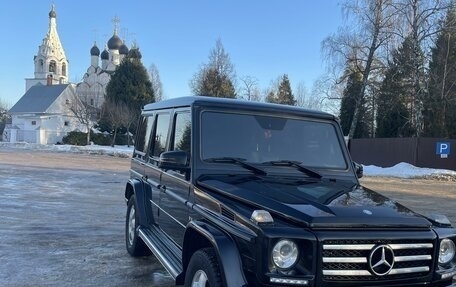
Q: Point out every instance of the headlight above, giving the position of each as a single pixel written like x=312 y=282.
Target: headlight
x=285 y=254
x=446 y=252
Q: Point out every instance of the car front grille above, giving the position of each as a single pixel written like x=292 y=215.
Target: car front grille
x=367 y=260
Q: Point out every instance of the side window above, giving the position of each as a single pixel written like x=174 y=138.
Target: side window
x=161 y=135
x=143 y=135
x=182 y=132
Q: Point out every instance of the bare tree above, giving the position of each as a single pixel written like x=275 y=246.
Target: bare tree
x=113 y=112
x=249 y=87
x=157 y=85
x=85 y=113
x=5 y=118
x=419 y=22
x=305 y=99
x=328 y=90
x=271 y=92
x=129 y=116
x=376 y=20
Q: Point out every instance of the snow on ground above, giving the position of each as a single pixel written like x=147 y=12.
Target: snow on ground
x=406 y=170
x=119 y=151
x=400 y=170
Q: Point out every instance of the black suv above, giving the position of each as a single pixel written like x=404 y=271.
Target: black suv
x=234 y=193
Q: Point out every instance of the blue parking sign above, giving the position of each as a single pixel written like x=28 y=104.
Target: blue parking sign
x=442 y=148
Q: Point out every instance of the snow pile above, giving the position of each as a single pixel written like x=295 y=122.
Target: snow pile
x=119 y=151
x=406 y=170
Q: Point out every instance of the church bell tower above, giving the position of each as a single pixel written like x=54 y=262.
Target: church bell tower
x=51 y=64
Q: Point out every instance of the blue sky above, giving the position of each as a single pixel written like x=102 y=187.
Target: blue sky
x=264 y=39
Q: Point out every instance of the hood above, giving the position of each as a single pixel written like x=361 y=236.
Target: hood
x=314 y=203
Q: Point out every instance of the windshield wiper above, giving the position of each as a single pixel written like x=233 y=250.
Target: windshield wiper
x=238 y=161
x=295 y=164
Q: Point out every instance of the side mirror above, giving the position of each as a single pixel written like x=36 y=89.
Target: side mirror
x=358 y=169
x=174 y=160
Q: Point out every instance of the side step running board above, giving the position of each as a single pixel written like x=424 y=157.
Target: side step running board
x=166 y=251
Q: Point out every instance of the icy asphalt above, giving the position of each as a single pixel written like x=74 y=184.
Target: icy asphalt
x=62 y=218
x=62 y=223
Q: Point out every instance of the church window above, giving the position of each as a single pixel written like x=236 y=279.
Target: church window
x=67 y=102
x=41 y=65
x=33 y=123
x=67 y=123
x=91 y=102
x=52 y=66
x=63 y=69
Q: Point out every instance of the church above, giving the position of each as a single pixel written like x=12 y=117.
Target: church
x=92 y=89
x=44 y=113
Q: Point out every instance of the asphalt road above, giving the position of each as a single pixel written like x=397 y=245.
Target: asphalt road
x=62 y=219
x=62 y=223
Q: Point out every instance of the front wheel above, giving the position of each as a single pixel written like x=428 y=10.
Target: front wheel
x=135 y=245
x=203 y=270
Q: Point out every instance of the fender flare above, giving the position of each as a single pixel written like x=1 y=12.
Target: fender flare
x=137 y=187
x=225 y=247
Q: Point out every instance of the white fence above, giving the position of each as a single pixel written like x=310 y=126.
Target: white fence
x=37 y=136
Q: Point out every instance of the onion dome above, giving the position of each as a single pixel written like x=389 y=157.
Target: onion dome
x=115 y=42
x=123 y=50
x=52 y=13
x=95 y=51
x=134 y=54
x=105 y=55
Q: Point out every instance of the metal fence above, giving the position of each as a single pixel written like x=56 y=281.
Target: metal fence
x=421 y=152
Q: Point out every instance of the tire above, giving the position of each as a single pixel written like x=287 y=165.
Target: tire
x=203 y=270
x=135 y=245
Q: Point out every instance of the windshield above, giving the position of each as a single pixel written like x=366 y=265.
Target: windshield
x=263 y=139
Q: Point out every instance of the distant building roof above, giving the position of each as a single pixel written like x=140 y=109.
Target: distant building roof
x=38 y=99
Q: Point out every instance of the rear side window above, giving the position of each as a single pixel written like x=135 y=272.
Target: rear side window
x=182 y=132
x=161 y=134
x=143 y=135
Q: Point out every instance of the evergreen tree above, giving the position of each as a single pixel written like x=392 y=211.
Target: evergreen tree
x=284 y=94
x=395 y=104
x=214 y=84
x=127 y=92
x=348 y=104
x=440 y=105
x=130 y=83
x=216 y=78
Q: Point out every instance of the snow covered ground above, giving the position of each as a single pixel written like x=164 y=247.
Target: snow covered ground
x=119 y=151
x=400 y=170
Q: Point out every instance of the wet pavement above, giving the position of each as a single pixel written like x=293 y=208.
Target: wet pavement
x=62 y=223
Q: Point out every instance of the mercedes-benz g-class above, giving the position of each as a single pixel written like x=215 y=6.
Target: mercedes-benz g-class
x=234 y=193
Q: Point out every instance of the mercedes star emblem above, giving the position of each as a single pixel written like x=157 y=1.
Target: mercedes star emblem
x=381 y=260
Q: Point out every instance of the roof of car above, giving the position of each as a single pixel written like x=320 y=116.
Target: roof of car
x=232 y=103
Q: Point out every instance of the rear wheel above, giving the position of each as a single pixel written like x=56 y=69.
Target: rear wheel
x=135 y=245
x=203 y=270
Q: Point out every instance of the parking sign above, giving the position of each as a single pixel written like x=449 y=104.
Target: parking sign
x=443 y=149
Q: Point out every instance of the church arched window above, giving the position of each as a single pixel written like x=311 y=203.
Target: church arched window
x=64 y=69
x=41 y=65
x=52 y=66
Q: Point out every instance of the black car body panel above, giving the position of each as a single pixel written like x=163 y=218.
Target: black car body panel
x=267 y=195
